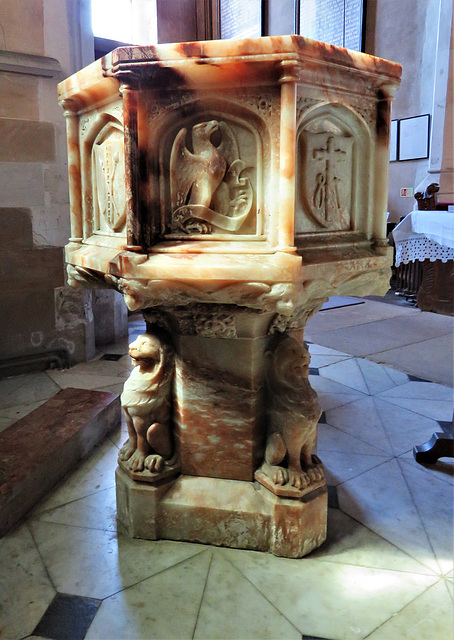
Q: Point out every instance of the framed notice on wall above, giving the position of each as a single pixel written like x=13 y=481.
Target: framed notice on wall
x=240 y=18
x=393 y=141
x=338 y=22
x=414 y=138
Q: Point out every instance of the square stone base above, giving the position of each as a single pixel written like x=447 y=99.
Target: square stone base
x=230 y=513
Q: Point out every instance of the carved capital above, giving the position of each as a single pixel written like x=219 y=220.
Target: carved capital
x=288 y=70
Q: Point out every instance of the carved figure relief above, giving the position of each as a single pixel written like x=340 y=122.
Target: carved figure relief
x=109 y=178
x=208 y=191
x=328 y=170
x=293 y=413
x=146 y=405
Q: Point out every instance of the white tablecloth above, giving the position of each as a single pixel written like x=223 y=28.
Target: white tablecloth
x=425 y=235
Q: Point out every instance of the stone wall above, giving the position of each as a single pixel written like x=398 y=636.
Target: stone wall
x=417 y=34
x=39 y=312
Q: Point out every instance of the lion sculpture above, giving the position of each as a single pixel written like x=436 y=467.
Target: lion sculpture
x=293 y=414
x=146 y=405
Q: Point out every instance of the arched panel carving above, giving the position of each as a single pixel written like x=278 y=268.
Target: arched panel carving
x=333 y=170
x=213 y=158
x=105 y=197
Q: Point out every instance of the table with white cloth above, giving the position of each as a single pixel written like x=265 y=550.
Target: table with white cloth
x=428 y=237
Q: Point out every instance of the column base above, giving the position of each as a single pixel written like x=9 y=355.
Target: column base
x=229 y=513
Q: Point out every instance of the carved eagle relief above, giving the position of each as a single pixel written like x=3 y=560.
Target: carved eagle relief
x=206 y=187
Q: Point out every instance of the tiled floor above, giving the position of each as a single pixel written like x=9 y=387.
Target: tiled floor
x=385 y=572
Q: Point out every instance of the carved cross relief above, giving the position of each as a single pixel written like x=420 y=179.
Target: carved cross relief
x=326 y=181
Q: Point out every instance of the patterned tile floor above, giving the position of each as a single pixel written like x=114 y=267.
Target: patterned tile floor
x=385 y=572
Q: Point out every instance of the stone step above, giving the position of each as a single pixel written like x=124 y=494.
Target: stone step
x=38 y=450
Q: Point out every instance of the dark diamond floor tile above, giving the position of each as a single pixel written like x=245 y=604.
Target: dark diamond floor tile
x=333 y=500
x=112 y=356
x=313 y=371
x=67 y=617
x=416 y=379
x=446 y=426
x=322 y=418
x=313 y=638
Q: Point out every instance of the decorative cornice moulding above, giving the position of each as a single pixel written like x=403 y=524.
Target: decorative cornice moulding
x=16 y=62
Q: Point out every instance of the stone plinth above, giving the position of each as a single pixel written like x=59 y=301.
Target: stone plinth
x=225 y=513
x=38 y=450
x=227 y=189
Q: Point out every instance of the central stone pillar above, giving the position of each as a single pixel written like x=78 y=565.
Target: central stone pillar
x=227 y=189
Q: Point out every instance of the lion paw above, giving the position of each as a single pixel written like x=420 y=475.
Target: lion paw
x=298 y=479
x=126 y=450
x=154 y=462
x=279 y=475
x=137 y=461
x=315 y=473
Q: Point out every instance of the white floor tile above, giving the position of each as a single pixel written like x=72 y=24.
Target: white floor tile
x=428 y=617
x=443 y=469
x=352 y=316
x=434 y=409
x=26 y=389
x=323 y=356
x=347 y=373
x=96 y=511
x=428 y=359
x=95 y=473
x=350 y=542
x=329 y=401
x=380 y=499
x=362 y=420
x=164 y=606
x=379 y=378
x=5 y=422
x=405 y=428
x=319 y=350
x=19 y=411
x=25 y=588
x=341 y=466
x=385 y=335
x=383 y=425
x=67 y=379
x=233 y=609
x=449 y=584
x=110 y=368
x=119 y=435
x=324 y=361
x=421 y=390
x=331 y=394
x=321 y=384
x=331 y=439
x=112 y=388
x=434 y=503
x=329 y=600
x=97 y=564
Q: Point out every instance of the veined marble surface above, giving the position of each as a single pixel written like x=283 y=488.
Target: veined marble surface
x=262 y=161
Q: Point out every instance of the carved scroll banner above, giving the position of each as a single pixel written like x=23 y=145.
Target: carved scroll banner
x=207 y=189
